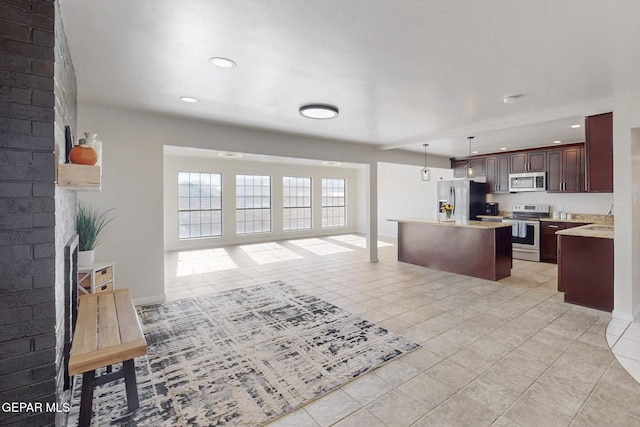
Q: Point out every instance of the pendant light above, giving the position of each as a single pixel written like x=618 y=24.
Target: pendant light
x=425 y=172
x=469 y=167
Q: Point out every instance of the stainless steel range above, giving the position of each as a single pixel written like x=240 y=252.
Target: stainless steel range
x=525 y=231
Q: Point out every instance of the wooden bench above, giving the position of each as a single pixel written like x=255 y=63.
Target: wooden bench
x=107 y=332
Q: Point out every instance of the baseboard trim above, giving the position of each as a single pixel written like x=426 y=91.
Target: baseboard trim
x=150 y=300
x=623 y=315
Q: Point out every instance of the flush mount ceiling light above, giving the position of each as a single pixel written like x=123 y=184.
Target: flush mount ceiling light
x=229 y=154
x=469 y=167
x=330 y=163
x=503 y=148
x=222 y=62
x=425 y=172
x=557 y=142
x=319 y=111
x=188 y=99
x=575 y=126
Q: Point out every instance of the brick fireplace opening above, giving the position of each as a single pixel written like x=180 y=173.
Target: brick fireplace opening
x=70 y=303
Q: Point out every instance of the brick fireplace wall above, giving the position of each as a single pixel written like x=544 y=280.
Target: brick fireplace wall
x=37 y=99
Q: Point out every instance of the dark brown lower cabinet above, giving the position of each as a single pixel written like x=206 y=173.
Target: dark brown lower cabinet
x=549 y=240
x=585 y=271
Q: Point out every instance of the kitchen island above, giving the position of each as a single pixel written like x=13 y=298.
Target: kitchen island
x=474 y=248
x=585 y=265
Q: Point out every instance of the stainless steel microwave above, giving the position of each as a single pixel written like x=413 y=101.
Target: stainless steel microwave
x=531 y=181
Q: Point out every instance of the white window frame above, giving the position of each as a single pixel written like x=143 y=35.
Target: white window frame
x=198 y=212
x=296 y=208
x=333 y=202
x=253 y=211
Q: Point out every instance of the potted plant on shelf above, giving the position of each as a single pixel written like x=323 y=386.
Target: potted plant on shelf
x=89 y=225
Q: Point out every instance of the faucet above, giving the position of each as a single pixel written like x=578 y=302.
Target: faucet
x=610 y=210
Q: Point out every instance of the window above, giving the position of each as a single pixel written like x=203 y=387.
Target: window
x=333 y=203
x=199 y=205
x=253 y=204
x=296 y=203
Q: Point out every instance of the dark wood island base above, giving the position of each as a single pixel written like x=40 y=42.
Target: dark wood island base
x=476 y=248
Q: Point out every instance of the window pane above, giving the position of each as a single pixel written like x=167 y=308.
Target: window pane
x=216 y=203
x=183 y=203
x=183 y=218
x=296 y=202
x=253 y=203
x=333 y=202
x=199 y=202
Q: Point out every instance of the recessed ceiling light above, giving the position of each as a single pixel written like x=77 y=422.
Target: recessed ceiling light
x=557 y=142
x=474 y=152
x=328 y=163
x=188 y=99
x=222 y=62
x=574 y=126
x=229 y=154
x=503 y=148
x=319 y=111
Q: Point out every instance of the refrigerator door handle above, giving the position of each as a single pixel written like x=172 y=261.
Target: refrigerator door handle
x=452 y=196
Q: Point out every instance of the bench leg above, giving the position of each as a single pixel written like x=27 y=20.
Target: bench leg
x=86 y=400
x=131 y=385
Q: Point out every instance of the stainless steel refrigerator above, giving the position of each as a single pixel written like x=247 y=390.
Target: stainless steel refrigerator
x=467 y=197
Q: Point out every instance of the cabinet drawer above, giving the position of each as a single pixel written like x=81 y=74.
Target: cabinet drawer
x=105 y=287
x=104 y=275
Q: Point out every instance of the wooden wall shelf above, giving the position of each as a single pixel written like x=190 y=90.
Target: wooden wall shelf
x=79 y=177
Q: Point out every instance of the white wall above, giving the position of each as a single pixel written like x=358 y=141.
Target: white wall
x=229 y=168
x=362 y=175
x=402 y=194
x=132 y=179
x=585 y=203
x=626 y=179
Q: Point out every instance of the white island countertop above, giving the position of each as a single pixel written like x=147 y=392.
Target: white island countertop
x=468 y=224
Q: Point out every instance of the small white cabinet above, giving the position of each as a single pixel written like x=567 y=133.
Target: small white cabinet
x=98 y=277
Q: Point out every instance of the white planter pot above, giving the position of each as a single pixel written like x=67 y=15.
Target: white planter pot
x=86 y=258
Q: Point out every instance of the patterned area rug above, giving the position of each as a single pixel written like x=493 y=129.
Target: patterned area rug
x=242 y=358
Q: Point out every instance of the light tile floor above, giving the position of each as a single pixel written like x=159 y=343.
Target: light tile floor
x=624 y=340
x=507 y=353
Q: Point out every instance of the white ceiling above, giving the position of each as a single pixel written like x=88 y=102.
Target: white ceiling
x=402 y=72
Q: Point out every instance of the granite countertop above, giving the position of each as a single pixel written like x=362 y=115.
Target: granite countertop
x=590 y=218
x=500 y=217
x=468 y=224
x=600 y=231
x=576 y=218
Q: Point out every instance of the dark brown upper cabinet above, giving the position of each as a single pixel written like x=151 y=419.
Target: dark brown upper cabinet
x=497 y=168
x=565 y=170
x=459 y=167
x=599 y=153
x=529 y=161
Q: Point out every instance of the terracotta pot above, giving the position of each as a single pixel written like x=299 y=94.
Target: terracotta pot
x=83 y=155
